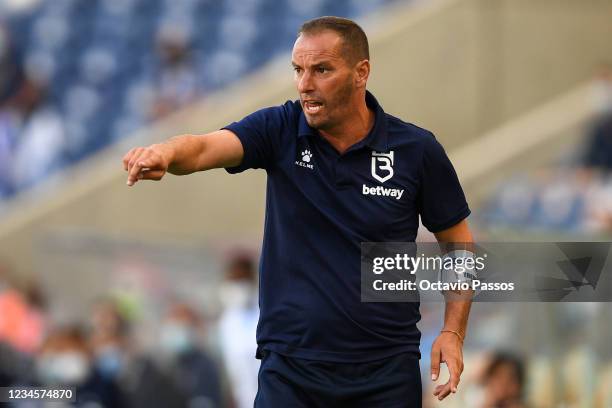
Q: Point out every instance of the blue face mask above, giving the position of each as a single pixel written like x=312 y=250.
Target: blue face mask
x=109 y=362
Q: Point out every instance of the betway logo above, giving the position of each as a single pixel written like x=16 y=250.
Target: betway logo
x=382 y=191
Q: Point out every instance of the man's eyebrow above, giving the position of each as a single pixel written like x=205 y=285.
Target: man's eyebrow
x=314 y=64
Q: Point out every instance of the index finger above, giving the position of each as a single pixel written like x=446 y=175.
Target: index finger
x=435 y=363
x=137 y=166
x=134 y=172
x=126 y=158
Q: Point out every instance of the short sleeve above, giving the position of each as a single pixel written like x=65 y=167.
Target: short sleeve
x=260 y=134
x=441 y=200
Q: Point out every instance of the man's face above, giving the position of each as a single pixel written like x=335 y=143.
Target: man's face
x=324 y=79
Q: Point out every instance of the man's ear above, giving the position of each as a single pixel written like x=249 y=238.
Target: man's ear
x=362 y=72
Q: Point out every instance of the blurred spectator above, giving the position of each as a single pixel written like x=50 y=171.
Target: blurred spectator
x=11 y=75
x=65 y=360
x=175 y=79
x=41 y=139
x=32 y=134
x=191 y=368
x=17 y=340
x=21 y=317
x=602 y=89
x=11 y=72
x=503 y=383
x=109 y=338
x=237 y=329
x=598 y=204
x=599 y=147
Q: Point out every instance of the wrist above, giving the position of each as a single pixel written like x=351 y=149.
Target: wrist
x=167 y=151
x=457 y=333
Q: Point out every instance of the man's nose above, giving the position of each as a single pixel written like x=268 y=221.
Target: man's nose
x=305 y=83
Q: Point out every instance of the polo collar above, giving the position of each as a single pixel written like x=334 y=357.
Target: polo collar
x=376 y=139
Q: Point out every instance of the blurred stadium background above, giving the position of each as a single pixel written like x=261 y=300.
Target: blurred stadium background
x=150 y=288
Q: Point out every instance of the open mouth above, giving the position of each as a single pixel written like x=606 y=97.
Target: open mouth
x=312 y=106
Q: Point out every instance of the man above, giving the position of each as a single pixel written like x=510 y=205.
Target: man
x=319 y=345
x=237 y=328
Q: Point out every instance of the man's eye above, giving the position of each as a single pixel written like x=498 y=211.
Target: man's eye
x=297 y=69
x=321 y=70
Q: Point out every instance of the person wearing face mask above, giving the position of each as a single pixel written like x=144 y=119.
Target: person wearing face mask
x=191 y=369
x=109 y=338
x=237 y=328
x=65 y=360
x=110 y=350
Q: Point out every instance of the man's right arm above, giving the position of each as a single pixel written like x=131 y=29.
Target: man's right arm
x=184 y=154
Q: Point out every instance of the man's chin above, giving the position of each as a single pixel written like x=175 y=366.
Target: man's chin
x=316 y=123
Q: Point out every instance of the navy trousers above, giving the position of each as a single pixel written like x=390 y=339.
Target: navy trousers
x=286 y=382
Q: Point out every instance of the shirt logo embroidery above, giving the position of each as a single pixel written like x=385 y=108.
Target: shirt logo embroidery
x=382 y=162
x=306 y=158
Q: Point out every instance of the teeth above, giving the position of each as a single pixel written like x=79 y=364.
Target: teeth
x=313 y=108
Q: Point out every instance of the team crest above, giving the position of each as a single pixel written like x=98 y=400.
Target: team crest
x=382 y=166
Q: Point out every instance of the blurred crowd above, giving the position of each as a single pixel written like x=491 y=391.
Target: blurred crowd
x=194 y=360
x=573 y=195
x=37 y=137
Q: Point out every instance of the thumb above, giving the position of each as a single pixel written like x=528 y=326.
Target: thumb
x=151 y=174
x=435 y=363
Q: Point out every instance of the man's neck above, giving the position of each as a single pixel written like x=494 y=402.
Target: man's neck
x=352 y=131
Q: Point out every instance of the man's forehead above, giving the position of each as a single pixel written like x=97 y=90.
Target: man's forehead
x=324 y=45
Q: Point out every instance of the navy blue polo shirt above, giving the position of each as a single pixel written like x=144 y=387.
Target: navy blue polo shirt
x=320 y=205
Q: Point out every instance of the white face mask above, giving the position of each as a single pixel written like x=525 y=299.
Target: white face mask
x=602 y=96
x=71 y=367
x=176 y=338
x=236 y=294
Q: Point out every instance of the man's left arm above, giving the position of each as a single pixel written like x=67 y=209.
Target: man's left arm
x=448 y=346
